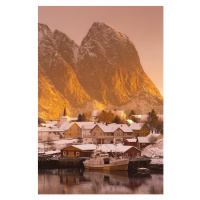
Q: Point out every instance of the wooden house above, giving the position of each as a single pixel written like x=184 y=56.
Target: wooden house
x=139 y=129
x=131 y=142
x=78 y=150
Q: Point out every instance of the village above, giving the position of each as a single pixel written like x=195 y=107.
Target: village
x=133 y=138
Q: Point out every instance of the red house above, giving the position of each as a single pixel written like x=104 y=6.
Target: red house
x=131 y=142
x=142 y=142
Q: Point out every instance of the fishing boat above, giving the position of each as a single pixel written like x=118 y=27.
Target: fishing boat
x=102 y=161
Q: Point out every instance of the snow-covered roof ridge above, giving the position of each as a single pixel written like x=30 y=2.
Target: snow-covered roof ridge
x=143 y=140
x=136 y=126
x=113 y=127
x=132 y=140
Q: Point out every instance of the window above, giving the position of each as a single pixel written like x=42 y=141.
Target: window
x=94 y=133
x=64 y=153
x=77 y=153
x=77 y=129
x=70 y=129
x=70 y=134
x=126 y=154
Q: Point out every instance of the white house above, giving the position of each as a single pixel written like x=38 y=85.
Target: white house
x=49 y=133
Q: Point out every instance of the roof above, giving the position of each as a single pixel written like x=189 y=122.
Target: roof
x=143 y=140
x=85 y=147
x=136 y=126
x=64 y=125
x=131 y=140
x=111 y=147
x=113 y=127
x=47 y=129
x=89 y=127
x=117 y=112
x=80 y=124
x=52 y=122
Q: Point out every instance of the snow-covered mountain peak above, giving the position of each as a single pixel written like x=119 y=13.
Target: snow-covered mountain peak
x=43 y=32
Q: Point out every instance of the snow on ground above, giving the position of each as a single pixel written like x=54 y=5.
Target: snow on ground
x=57 y=145
x=158 y=161
x=154 y=150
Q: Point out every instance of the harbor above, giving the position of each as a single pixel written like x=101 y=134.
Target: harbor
x=80 y=181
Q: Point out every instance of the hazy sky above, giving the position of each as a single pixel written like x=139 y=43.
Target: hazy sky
x=142 y=24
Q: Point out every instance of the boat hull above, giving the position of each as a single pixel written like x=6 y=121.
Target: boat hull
x=121 y=166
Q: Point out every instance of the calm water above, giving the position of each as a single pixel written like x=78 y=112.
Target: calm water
x=70 y=181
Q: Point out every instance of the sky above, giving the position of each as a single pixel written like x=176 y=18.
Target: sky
x=142 y=24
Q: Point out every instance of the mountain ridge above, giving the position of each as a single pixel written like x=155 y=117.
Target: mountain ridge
x=104 y=71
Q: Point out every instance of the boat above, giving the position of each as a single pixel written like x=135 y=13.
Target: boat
x=102 y=161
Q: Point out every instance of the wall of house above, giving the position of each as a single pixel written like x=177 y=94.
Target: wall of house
x=130 y=143
x=87 y=140
x=142 y=145
x=45 y=136
x=74 y=152
x=132 y=152
x=73 y=132
x=143 y=132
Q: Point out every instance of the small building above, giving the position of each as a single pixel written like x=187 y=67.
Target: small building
x=142 y=142
x=131 y=142
x=139 y=129
x=74 y=129
x=49 y=133
x=78 y=150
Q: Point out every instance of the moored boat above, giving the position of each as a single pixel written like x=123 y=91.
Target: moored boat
x=102 y=161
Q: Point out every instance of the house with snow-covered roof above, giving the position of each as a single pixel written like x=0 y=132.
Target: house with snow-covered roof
x=131 y=142
x=49 y=133
x=74 y=129
x=110 y=133
x=139 y=129
x=142 y=142
x=84 y=150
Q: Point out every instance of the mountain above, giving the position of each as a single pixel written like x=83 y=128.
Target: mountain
x=109 y=68
x=104 y=72
x=56 y=69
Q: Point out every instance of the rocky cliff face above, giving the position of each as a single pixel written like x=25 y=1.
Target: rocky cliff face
x=56 y=68
x=109 y=68
x=104 y=72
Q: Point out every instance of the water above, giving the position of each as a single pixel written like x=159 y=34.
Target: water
x=75 y=181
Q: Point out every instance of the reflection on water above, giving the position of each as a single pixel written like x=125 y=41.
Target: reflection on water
x=75 y=181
